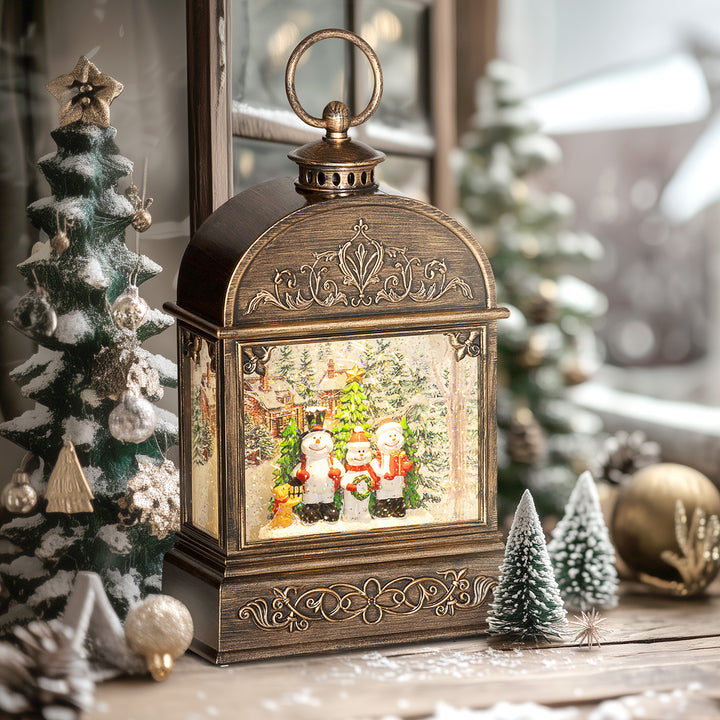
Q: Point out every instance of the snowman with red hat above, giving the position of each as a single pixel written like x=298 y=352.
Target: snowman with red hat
x=391 y=465
x=318 y=471
x=360 y=479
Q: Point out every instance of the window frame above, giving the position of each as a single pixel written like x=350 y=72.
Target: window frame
x=212 y=123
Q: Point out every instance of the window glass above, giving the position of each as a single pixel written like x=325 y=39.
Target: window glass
x=629 y=99
x=397 y=31
x=265 y=32
x=361 y=435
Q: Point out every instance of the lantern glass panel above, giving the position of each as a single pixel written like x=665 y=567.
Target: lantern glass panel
x=361 y=435
x=204 y=442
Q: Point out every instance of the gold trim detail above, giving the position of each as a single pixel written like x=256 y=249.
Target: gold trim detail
x=361 y=262
x=293 y=609
x=466 y=343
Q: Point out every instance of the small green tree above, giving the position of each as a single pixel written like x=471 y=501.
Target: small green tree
x=285 y=362
x=289 y=454
x=528 y=604
x=352 y=410
x=305 y=382
x=581 y=553
x=258 y=438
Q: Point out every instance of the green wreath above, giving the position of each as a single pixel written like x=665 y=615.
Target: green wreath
x=359 y=494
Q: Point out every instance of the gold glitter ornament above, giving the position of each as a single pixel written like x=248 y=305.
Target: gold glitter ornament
x=643 y=524
x=141 y=219
x=85 y=94
x=68 y=490
x=161 y=630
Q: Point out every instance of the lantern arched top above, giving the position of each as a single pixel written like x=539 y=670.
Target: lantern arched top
x=273 y=254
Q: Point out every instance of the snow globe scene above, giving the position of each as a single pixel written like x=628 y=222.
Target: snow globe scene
x=357 y=435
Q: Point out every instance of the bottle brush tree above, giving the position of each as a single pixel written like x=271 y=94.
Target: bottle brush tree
x=581 y=552
x=527 y=604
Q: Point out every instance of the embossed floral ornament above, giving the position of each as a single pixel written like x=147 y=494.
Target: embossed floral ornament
x=85 y=94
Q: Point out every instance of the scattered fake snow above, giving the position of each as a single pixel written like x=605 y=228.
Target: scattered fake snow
x=70 y=208
x=96 y=479
x=89 y=397
x=81 y=432
x=60 y=584
x=25 y=566
x=92 y=273
x=125 y=587
x=29 y=420
x=153 y=583
x=115 y=539
x=167 y=369
x=73 y=327
x=24 y=523
x=55 y=540
x=49 y=362
x=165 y=421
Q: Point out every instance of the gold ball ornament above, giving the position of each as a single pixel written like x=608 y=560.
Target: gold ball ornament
x=643 y=524
x=161 y=630
x=19 y=496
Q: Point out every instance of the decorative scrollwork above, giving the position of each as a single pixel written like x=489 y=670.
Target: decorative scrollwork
x=191 y=345
x=293 y=609
x=359 y=264
x=255 y=359
x=465 y=343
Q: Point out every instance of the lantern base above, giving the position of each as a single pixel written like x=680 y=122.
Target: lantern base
x=239 y=616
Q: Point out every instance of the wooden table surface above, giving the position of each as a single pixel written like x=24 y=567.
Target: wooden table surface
x=660 y=659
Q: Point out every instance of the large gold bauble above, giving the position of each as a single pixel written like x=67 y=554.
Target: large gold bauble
x=643 y=521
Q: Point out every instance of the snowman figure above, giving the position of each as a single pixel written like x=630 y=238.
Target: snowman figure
x=318 y=471
x=360 y=479
x=391 y=465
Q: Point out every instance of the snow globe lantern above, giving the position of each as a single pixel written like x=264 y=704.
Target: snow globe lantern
x=338 y=390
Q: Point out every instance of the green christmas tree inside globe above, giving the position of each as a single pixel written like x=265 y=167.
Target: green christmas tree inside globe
x=96 y=442
x=548 y=344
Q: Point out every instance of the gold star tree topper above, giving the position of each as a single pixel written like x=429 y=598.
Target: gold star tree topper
x=85 y=94
x=355 y=374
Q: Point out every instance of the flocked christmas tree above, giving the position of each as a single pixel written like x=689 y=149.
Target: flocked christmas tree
x=527 y=604
x=352 y=410
x=107 y=496
x=548 y=343
x=581 y=552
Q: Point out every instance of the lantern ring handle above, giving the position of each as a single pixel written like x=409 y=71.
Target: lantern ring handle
x=297 y=53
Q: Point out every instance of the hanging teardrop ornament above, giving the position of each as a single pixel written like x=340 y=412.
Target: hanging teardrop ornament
x=68 y=490
x=141 y=219
x=60 y=242
x=19 y=496
x=129 y=311
x=34 y=314
x=133 y=420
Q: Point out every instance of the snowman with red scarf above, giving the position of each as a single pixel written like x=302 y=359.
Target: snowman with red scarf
x=318 y=471
x=360 y=479
x=391 y=465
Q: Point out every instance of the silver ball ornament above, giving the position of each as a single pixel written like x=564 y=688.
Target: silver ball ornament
x=161 y=630
x=133 y=420
x=19 y=496
x=129 y=311
x=34 y=313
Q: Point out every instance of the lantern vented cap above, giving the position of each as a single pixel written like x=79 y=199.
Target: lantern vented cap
x=336 y=164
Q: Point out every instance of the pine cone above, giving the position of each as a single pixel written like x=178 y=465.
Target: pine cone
x=44 y=674
x=624 y=454
x=526 y=439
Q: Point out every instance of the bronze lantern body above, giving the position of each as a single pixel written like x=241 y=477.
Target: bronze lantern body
x=332 y=273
